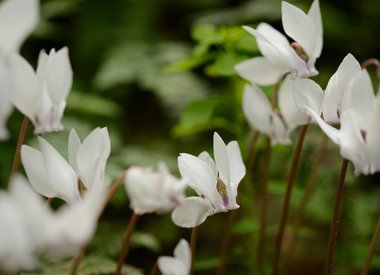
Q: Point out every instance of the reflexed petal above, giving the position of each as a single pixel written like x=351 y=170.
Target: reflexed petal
x=171 y=266
x=308 y=93
x=237 y=167
x=315 y=16
x=205 y=156
x=73 y=148
x=373 y=138
x=60 y=174
x=299 y=27
x=183 y=253
x=6 y=106
x=221 y=158
x=292 y=115
x=36 y=172
x=18 y=18
x=192 y=212
x=259 y=70
x=59 y=75
x=330 y=131
x=359 y=100
x=257 y=108
x=200 y=177
x=337 y=87
x=279 y=134
x=25 y=86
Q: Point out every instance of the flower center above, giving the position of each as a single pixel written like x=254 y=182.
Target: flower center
x=221 y=188
x=300 y=51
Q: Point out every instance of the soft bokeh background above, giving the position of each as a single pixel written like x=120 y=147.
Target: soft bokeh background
x=159 y=74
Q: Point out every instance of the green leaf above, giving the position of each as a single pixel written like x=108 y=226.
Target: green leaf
x=224 y=64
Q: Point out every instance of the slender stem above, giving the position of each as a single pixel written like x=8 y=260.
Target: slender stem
x=372 y=248
x=127 y=237
x=154 y=270
x=20 y=141
x=307 y=194
x=193 y=245
x=285 y=209
x=113 y=189
x=77 y=259
x=336 y=218
x=263 y=207
x=226 y=243
x=251 y=148
x=375 y=62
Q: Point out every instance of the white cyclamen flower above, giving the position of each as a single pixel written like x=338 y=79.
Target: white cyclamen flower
x=180 y=264
x=330 y=103
x=52 y=176
x=359 y=133
x=215 y=182
x=280 y=56
x=18 y=18
x=151 y=191
x=41 y=95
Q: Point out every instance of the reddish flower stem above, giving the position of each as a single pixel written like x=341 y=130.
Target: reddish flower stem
x=20 y=141
x=336 y=218
x=226 y=242
x=285 y=209
x=372 y=248
x=193 y=245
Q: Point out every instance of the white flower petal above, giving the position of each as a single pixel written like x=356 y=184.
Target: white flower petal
x=279 y=133
x=292 y=115
x=308 y=93
x=299 y=26
x=205 y=156
x=6 y=106
x=315 y=16
x=192 y=212
x=259 y=70
x=18 y=18
x=171 y=266
x=200 y=177
x=60 y=174
x=35 y=170
x=373 y=138
x=221 y=158
x=183 y=253
x=73 y=148
x=237 y=167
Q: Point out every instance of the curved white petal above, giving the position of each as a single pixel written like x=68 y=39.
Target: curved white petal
x=221 y=158
x=259 y=70
x=36 y=171
x=73 y=148
x=6 y=106
x=330 y=131
x=200 y=177
x=280 y=133
x=337 y=87
x=192 y=212
x=18 y=18
x=299 y=26
x=205 y=156
x=60 y=174
x=292 y=115
x=315 y=16
x=237 y=167
x=183 y=253
x=257 y=108
x=373 y=138
x=170 y=266
x=308 y=93
x=59 y=75
x=92 y=156
x=360 y=100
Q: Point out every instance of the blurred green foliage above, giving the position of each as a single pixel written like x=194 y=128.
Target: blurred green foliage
x=159 y=74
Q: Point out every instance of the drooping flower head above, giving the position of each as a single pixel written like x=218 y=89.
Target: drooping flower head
x=18 y=18
x=216 y=182
x=180 y=264
x=41 y=95
x=52 y=176
x=153 y=191
x=281 y=57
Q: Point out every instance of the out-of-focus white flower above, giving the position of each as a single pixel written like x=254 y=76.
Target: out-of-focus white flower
x=280 y=56
x=359 y=133
x=215 y=182
x=180 y=264
x=330 y=103
x=41 y=95
x=278 y=125
x=52 y=176
x=151 y=191
x=18 y=18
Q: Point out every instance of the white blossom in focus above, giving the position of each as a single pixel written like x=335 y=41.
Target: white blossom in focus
x=153 y=191
x=180 y=264
x=216 y=182
x=41 y=95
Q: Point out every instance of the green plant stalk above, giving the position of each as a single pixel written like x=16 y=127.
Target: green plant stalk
x=263 y=207
x=372 y=248
x=285 y=209
x=20 y=141
x=127 y=238
x=336 y=218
